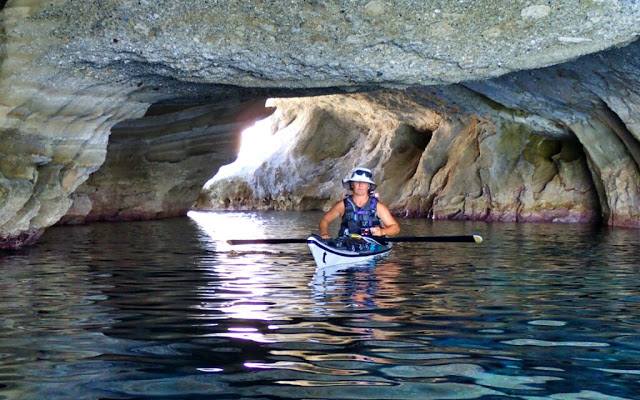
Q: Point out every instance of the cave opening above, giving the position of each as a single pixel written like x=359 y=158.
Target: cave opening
x=257 y=143
x=290 y=153
x=166 y=156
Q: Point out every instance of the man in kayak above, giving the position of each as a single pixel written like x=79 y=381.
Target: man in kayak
x=361 y=211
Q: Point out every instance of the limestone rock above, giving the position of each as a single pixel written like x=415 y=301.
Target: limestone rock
x=302 y=44
x=156 y=166
x=427 y=163
x=535 y=12
x=594 y=98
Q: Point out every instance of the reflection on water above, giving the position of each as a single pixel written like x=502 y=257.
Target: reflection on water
x=166 y=309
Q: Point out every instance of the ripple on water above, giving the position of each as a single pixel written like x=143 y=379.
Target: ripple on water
x=164 y=309
x=546 y=322
x=581 y=395
x=548 y=343
x=475 y=372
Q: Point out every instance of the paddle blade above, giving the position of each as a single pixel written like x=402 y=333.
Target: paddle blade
x=266 y=241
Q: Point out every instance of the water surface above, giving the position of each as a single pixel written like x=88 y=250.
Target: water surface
x=167 y=310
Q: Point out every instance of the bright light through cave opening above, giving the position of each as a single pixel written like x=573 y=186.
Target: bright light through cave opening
x=257 y=143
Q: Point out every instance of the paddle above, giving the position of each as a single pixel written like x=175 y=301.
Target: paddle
x=424 y=239
x=408 y=239
x=266 y=241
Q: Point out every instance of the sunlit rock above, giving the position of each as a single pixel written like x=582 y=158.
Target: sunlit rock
x=156 y=165
x=428 y=163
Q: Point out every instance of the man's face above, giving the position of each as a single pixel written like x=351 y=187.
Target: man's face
x=360 y=188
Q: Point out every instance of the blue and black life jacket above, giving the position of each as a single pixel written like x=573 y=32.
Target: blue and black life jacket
x=359 y=219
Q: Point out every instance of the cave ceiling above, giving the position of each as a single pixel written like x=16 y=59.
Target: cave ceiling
x=71 y=70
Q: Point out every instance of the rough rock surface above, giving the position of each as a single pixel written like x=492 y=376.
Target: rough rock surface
x=597 y=99
x=71 y=70
x=320 y=44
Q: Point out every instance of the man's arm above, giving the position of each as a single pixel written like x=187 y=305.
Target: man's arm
x=391 y=226
x=335 y=212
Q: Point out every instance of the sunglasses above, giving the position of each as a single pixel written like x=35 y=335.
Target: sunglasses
x=363 y=173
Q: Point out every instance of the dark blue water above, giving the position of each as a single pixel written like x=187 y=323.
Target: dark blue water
x=166 y=310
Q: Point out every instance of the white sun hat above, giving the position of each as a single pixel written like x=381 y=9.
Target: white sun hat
x=359 y=174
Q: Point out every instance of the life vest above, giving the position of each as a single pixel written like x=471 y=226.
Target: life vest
x=359 y=219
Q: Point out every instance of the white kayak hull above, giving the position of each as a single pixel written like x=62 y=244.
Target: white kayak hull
x=326 y=255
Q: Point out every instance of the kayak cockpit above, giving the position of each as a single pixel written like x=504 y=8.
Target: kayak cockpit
x=346 y=250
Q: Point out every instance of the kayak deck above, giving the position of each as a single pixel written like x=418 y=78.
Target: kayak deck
x=346 y=250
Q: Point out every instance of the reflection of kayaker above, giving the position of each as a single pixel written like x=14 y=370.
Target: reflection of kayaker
x=361 y=212
x=361 y=286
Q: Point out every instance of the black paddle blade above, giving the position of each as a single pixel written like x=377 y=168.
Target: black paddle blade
x=443 y=239
x=266 y=241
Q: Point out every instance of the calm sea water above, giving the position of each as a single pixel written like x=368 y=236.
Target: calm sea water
x=167 y=310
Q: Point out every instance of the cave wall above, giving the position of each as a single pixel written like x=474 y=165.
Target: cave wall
x=596 y=99
x=436 y=164
x=71 y=70
x=156 y=165
x=554 y=144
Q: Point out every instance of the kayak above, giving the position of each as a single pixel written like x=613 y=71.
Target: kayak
x=346 y=250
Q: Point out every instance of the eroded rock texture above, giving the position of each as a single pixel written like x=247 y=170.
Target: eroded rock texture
x=553 y=144
x=71 y=70
x=595 y=99
x=442 y=164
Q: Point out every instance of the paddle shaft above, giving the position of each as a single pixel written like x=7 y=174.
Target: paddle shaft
x=406 y=239
x=425 y=239
x=266 y=241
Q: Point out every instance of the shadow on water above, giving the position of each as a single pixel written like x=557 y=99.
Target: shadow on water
x=166 y=309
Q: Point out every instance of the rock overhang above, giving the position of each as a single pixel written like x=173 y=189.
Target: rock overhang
x=73 y=69
x=311 y=44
